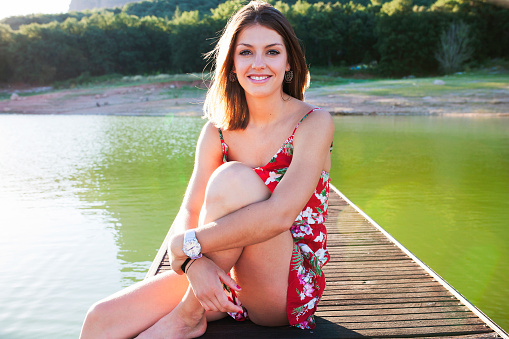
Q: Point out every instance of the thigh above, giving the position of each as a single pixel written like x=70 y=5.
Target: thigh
x=262 y=272
x=262 y=269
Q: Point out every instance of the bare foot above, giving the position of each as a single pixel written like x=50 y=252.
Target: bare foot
x=178 y=324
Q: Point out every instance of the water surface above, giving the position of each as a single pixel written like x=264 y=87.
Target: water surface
x=441 y=187
x=86 y=201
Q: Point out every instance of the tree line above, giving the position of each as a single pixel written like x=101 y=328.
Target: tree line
x=401 y=37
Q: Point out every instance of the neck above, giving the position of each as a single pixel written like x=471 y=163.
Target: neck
x=263 y=111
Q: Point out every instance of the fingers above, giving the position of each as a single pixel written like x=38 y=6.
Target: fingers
x=214 y=298
x=227 y=280
x=206 y=280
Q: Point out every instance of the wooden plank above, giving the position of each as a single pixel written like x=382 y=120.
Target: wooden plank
x=492 y=325
x=375 y=288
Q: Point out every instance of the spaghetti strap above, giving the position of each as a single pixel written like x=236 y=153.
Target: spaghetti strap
x=224 y=146
x=304 y=117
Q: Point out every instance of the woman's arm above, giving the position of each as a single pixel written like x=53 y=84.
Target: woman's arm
x=261 y=221
x=207 y=159
x=207 y=277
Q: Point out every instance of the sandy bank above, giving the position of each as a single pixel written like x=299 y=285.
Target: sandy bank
x=186 y=98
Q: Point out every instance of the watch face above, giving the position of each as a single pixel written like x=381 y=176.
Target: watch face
x=192 y=249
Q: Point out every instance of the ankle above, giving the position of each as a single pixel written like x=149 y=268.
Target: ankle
x=193 y=313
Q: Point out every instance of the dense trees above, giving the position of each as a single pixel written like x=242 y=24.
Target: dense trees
x=402 y=36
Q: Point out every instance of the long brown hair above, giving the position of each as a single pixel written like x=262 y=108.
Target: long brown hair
x=225 y=104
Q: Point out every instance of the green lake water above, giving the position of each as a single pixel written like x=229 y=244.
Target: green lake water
x=85 y=202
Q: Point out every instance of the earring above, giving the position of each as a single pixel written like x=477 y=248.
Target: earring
x=232 y=76
x=288 y=76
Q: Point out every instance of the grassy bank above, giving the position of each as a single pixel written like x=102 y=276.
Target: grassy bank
x=421 y=87
x=480 y=92
x=362 y=82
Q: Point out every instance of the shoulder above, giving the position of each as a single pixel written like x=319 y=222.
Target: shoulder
x=209 y=140
x=316 y=129
x=312 y=118
x=318 y=119
x=209 y=131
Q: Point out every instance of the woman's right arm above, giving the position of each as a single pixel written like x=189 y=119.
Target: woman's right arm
x=208 y=158
x=207 y=276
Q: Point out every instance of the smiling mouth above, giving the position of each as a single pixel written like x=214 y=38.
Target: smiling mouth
x=259 y=77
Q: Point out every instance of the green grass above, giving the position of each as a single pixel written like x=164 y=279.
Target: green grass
x=325 y=80
x=322 y=77
x=183 y=92
x=7 y=95
x=421 y=87
x=117 y=80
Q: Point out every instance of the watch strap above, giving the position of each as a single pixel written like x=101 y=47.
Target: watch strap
x=183 y=267
x=189 y=235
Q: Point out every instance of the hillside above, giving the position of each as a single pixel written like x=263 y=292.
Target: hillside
x=81 y=5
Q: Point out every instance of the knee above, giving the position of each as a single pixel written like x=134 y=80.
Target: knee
x=230 y=174
x=235 y=185
x=95 y=324
x=233 y=179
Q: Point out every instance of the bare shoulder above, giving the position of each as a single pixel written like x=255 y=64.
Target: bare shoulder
x=209 y=133
x=319 y=120
x=209 y=143
x=209 y=129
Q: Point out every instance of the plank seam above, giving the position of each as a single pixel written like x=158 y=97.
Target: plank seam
x=444 y=283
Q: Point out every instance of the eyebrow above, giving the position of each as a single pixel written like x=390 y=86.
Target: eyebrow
x=268 y=46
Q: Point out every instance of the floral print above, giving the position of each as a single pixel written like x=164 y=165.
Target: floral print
x=306 y=281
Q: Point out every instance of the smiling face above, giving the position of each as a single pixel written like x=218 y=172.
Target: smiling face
x=260 y=61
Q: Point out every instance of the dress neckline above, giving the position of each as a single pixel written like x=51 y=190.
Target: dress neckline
x=225 y=148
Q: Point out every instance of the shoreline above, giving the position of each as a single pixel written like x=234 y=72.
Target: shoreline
x=467 y=96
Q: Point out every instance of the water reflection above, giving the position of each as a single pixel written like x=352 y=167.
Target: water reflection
x=140 y=173
x=85 y=202
x=441 y=187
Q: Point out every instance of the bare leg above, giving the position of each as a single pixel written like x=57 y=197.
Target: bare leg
x=234 y=186
x=132 y=310
x=148 y=304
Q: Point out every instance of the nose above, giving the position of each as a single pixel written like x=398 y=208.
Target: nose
x=258 y=62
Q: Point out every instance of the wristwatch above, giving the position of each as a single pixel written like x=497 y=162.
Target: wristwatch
x=192 y=247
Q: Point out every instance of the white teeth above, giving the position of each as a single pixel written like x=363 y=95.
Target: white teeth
x=258 y=78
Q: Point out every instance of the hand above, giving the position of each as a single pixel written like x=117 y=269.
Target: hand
x=206 y=280
x=175 y=253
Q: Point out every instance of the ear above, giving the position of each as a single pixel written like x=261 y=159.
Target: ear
x=287 y=67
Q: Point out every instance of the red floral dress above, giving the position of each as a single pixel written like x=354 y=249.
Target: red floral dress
x=306 y=281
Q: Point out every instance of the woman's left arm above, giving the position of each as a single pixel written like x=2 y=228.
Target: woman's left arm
x=264 y=220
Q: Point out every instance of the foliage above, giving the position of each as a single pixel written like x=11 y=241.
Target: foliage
x=6 y=38
x=407 y=40
x=403 y=47
x=15 y=22
x=397 y=7
x=166 y=36
x=454 y=47
x=167 y=8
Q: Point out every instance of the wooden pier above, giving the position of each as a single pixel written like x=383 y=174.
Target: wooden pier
x=375 y=288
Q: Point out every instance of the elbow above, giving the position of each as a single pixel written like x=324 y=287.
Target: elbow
x=282 y=215
x=284 y=220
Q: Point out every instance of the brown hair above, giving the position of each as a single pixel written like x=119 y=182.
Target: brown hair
x=225 y=104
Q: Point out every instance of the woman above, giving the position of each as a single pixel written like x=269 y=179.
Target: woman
x=252 y=209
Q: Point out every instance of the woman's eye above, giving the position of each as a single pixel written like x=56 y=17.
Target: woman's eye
x=245 y=52
x=273 y=52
